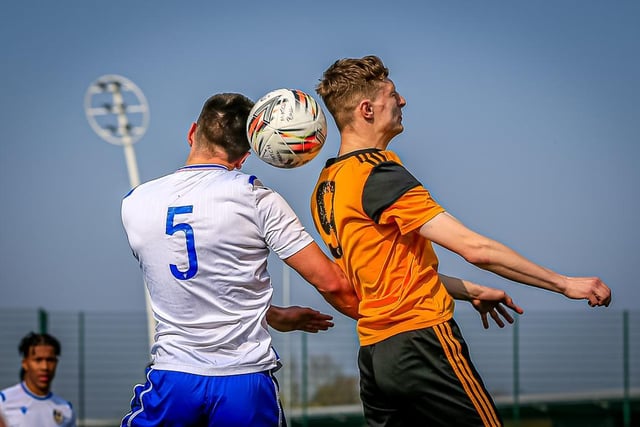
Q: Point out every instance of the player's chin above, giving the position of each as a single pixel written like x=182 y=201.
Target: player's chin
x=44 y=384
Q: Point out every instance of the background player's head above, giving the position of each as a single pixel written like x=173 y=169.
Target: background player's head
x=347 y=81
x=39 y=361
x=222 y=125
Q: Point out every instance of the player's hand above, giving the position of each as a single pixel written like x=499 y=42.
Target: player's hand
x=295 y=318
x=590 y=288
x=494 y=302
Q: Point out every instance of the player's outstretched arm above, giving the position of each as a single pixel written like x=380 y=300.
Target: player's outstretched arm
x=327 y=277
x=295 y=318
x=493 y=256
x=487 y=301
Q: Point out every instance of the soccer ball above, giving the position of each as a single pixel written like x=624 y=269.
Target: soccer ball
x=286 y=128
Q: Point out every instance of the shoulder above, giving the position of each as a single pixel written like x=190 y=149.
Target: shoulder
x=390 y=174
x=253 y=182
x=60 y=401
x=387 y=181
x=10 y=392
x=242 y=180
x=142 y=190
x=375 y=164
x=147 y=184
x=256 y=186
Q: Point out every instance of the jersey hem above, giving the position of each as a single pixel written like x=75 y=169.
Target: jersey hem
x=214 y=372
x=400 y=328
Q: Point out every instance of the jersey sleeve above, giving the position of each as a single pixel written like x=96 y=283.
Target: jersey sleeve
x=393 y=195
x=282 y=229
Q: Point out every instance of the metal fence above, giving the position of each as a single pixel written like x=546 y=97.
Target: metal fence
x=544 y=357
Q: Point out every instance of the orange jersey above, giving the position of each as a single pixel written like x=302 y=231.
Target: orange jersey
x=368 y=209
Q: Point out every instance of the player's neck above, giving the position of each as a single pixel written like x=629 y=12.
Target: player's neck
x=223 y=160
x=352 y=141
x=35 y=390
x=208 y=160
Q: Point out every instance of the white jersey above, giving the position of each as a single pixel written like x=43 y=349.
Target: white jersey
x=202 y=236
x=21 y=408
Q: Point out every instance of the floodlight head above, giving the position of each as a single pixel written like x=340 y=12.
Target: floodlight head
x=116 y=109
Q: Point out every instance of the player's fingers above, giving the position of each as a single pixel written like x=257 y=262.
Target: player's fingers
x=324 y=325
x=322 y=316
x=594 y=300
x=485 y=321
x=496 y=318
x=505 y=314
x=508 y=301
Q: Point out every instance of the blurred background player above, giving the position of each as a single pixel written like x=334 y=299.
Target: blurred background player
x=31 y=403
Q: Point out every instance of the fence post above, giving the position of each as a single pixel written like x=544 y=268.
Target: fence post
x=43 y=320
x=81 y=369
x=305 y=382
x=626 y=407
x=516 y=372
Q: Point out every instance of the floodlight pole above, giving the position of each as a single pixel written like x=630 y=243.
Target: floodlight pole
x=134 y=181
x=122 y=135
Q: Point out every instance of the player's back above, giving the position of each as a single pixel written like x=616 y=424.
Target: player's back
x=201 y=246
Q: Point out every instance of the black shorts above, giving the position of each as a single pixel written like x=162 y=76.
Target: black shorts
x=424 y=378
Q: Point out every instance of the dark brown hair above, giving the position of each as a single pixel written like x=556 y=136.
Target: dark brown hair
x=222 y=122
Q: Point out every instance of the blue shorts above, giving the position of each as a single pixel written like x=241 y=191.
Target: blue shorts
x=178 y=399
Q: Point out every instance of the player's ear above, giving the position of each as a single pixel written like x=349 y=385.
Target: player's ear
x=365 y=109
x=239 y=162
x=191 y=134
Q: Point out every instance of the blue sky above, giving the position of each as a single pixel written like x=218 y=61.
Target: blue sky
x=522 y=120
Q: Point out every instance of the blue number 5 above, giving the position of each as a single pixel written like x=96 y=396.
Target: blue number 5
x=191 y=245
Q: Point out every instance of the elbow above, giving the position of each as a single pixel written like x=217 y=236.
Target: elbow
x=476 y=259
x=341 y=296
x=336 y=283
x=333 y=288
x=477 y=254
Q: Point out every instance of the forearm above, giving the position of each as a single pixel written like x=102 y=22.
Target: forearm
x=345 y=303
x=342 y=297
x=460 y=289
x=275 y=318
x=506 y=262
x=497 y=258
x=327 y=277
x=489 y=254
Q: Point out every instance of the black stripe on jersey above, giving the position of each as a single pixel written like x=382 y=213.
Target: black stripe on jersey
x=372 y=157
x=361 y=155
x=386 y=183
